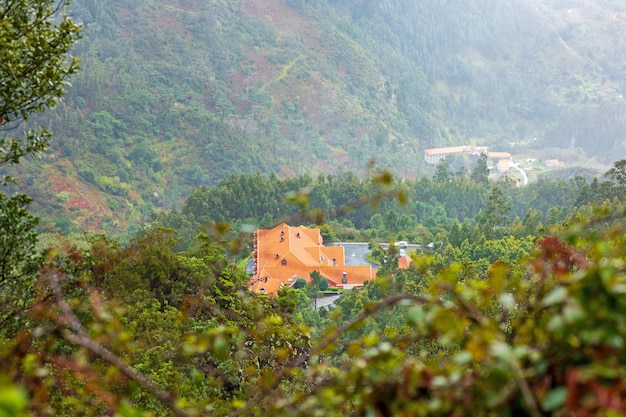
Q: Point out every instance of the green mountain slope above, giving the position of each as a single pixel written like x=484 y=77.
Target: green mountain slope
x=507 y=70
x=174 y=94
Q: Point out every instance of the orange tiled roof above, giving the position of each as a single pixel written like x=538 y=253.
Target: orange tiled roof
x=285 y=253
x=404 y=261
x=356 y=276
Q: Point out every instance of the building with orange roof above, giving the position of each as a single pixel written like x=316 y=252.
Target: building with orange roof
x=404 y=261
x=285 y=253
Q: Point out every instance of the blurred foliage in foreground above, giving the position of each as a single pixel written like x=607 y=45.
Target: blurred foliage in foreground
x=143 y=330
x=98 y=328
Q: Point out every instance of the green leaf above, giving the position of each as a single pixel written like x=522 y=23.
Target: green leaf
x=503 y=351
x=555 y=399
x=415 y=315
x=128 y=411
x=13 y=400
x=507 y=301
x=556 y=296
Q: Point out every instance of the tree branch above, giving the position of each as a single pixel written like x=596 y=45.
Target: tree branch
x=328 y=340
x=78 y=336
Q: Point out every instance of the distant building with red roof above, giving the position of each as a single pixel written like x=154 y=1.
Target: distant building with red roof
x=285 y=253
x=404 y=261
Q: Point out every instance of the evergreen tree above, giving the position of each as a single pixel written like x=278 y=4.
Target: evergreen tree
x=618 y=174
x=35 y=40
x=442 y=172
x=495 y=214
x=20 y=261
x=480 y=174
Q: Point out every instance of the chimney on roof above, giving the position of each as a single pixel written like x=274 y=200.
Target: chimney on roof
x=334 y=261
x=344 y=278
x=284 y=261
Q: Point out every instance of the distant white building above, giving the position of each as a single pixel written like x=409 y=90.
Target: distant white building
x=504 y=165
x=554 y=163
x=499 y=155
x=434 y=155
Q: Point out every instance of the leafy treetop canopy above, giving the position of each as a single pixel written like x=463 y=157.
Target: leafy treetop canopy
x=35 y=39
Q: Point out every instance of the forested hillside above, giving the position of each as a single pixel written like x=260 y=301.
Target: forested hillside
x=511 y=302
x=174 y=94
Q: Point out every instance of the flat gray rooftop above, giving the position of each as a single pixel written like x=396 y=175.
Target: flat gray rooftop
x=356 y=253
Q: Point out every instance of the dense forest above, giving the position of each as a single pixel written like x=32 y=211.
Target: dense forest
x=422 y=210
x=502 y=314
x=177 y=94
x=513 y=303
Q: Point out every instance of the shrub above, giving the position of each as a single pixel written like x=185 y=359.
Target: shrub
x=63 y=196
x=323 y=284
x=88 y=175
x=300 y=283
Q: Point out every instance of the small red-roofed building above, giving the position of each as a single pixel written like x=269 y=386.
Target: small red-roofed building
x=404 y=261
x=285 y=253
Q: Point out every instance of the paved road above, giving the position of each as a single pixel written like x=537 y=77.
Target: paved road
x=325 y=301
x=521 y=171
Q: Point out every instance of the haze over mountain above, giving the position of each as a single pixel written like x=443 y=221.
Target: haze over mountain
x=174 y=94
